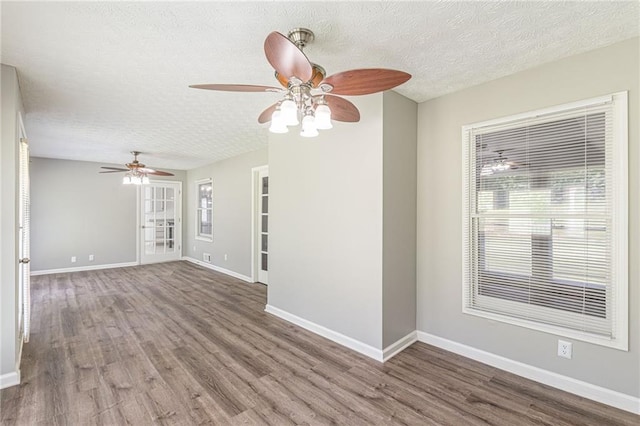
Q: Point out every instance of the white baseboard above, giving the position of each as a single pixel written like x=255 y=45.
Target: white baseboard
x=10 y=379
x=400 y=345
x=568 y=384
x=379 y=355
x=218 y=269
x=346 y=341
x=339 y=338
x=84 y=268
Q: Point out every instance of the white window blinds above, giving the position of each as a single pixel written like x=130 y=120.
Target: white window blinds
x=545 y=220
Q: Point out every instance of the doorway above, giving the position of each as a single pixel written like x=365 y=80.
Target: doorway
x=260 y=239
x=160 y=222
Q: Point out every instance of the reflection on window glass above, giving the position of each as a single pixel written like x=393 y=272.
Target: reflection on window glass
x=580 y=251
x=506 y=245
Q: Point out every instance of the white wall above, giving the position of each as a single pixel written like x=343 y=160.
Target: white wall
x=399 y=217
x=10 y=340
x=342 y=224
x=611 y=69
x=76 y=211
x=231 y=212
x=325 y=236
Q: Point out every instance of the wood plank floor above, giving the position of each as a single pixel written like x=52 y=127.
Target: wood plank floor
x=178 y=344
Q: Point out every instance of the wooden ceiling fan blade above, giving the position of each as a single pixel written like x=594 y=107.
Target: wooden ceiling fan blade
x=342 y=109
x=365 y=81
x=236 y=87
x=286 y=58
x=156 y=172
x=115 y=169
x=265 y=116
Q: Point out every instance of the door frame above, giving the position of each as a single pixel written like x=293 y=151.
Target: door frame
x=139 y=211
x=255 y=218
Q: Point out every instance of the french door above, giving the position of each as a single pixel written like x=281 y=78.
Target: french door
x=24 y=292
x=161 y=222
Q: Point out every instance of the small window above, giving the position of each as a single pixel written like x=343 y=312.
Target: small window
x=204 y=210
x=545 y=220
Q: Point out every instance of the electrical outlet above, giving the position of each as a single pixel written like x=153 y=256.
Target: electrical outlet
x=565 y=349
x=206 y=257
x=73 y=259
x=225 y=256
x=194 y=248
x=90 y=258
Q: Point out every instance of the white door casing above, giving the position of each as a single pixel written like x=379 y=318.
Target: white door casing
x=260 y=224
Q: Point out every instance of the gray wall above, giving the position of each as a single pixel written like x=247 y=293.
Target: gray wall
x=9 y=156
x=231 y=212
x=75 y=211
x=399 y=217
x=325 y=236
x=603 y=71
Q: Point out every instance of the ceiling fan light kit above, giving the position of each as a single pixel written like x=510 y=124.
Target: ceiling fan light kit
x=306 y=95
x=136 y=172
x=133 y=178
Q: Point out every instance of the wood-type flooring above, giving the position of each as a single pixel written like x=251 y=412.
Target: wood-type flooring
x=178 y=344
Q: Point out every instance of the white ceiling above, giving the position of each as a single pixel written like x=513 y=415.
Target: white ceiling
x=100 y=79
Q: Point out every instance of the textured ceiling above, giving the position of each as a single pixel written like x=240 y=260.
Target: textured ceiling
x=100 y=79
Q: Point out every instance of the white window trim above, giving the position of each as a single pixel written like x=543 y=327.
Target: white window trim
x=619 y=225
x=198 y=236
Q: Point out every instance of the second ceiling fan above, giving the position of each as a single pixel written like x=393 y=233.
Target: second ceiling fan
x=309 y=95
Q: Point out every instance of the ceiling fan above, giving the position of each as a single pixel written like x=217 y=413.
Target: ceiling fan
x=136 y=172
x=307 y=93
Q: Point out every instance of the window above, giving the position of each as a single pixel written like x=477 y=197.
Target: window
x=204 y=210
x=545 y=220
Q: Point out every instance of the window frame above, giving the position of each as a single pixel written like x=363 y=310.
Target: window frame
x=619 y=230
x=198 y=235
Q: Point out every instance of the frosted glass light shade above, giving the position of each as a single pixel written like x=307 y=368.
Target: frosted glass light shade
x=126 y=180
x=289 y=111
x=310 y=133
x=309 y=129
x=277 y=123
x=323 y=117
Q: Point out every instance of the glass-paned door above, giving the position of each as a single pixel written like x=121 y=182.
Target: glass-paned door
x=263 y=225
x=161 y=222
x=24 y=300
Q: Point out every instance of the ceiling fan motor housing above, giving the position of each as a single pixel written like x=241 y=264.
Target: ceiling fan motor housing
x=316 y=78
x=301 y=37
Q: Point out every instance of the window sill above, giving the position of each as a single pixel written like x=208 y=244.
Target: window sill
x=620 y=343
